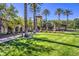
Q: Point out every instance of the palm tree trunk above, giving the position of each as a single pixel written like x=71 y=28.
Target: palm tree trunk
x=46 y=24
x=59 y=17
x=34 y=17
x=74 y=26
x=25 y=16
x=54 y=29
x=67 y=23
x=59 y=20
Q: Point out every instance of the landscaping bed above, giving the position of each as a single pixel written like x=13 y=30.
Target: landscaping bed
x=43 y=44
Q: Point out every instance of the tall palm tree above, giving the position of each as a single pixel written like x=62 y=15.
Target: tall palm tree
x=25 y=17
x=2 y=7
x=2 y=13
x=35 y=8
x=67 y=13
x=30 y=23
x=8 y=13
x=46 y=12
x=11 y=13
x=59 y=12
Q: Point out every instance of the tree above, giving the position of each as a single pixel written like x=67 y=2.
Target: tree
x=10 y=26
x=30 y=24
x=50 y=25
x=76 y=23
x=35 y=8
x=8 y=13
x=20 y=24
x=43 y=25
x=9 y=17
x=12 y=15
x=4 y=15
x=67 y=13
x=11 y=12
x=57 y=24
x=25 y=18
x=2 y=9
x=46 y=12
x=59 y=12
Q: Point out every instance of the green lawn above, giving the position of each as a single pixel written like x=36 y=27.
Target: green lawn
x=43 y=44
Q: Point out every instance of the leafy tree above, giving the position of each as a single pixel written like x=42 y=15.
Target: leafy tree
x=39 y=22
x=43 y=25
x=71 y=24
x=30 y=24
x=11 y=25
x=50 y=25
x=57 y=24
x=20 y=24
x=76 y=21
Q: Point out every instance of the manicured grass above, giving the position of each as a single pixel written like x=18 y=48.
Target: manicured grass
x=43 y=44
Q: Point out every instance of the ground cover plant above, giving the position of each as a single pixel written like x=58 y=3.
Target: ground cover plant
x=43 y=44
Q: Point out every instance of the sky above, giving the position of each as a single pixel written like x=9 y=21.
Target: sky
x=74 y=7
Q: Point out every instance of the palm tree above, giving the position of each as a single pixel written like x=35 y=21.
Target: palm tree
x=8 y=13
x=46 y=13
x=30 y=24
x=67 y=13
x=2 y=14
x=59 y=12
x=35 y=8
x=2 y=7
x=20 y=23
x=11 y=13
x=25 y=17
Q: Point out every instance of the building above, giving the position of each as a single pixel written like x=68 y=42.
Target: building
x=39 y=21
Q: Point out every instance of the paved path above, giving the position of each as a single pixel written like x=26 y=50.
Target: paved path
x=9 y=38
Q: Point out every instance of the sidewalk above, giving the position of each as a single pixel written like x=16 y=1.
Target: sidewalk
x=9 y=38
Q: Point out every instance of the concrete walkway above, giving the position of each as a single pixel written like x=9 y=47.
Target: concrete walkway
x=9 y=38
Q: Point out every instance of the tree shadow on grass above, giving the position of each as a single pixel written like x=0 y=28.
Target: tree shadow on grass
x=29 y=46
x=51 y=41
x=71 y=33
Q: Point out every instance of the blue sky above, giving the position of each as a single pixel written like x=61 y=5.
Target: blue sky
x=52 y=8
